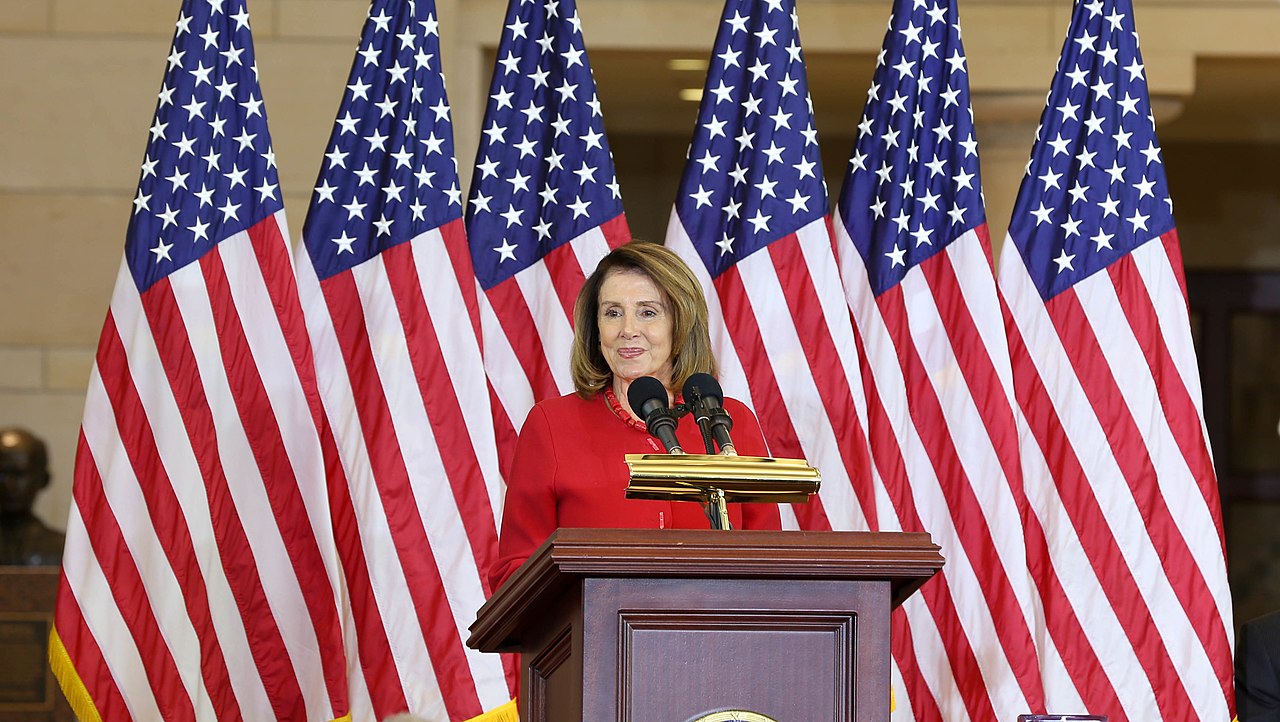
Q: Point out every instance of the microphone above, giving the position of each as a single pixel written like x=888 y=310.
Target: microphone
x=703 y=395
x=648 y=397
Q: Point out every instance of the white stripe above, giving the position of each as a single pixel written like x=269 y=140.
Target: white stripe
x=1082 y=429
x=503 y=368
x=550 y=321
x=103 y=620
x=179 y=461
x=929 y=652
x=264 y=334
x=400 y=624
x=461 y=353
x=125 y=502
x=589 y=248
x=982 y=470
x=441 y=519
x=245 y=483
x=1190 y=515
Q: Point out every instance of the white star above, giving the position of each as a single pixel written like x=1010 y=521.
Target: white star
x=725 y=244
x=169 y=216
x=503 y=98
x=1078 y=76
x=554 y=159
x=1064 y=261
x=964 y=179
x=930 y=200
x=744 y=139
x=1139 y=221
x=1102 y=239
x=702 y=197
x=178 y=179
x=1151 y=152
x=185 y=145
x=162 y=250
x=252 y=107
x=200 y=231
x=1094 y=123
x=519 y=182
x=760 y=222
x=344 y=242
x=752 y=105
x=366 y=174
x=765 y=186
x=495 y=133
x=1116 y=171
x=355 y=209
x=586 y=174
x=715 y=127
x=265 y=191
x=788 y=85
x=896 y=256
x=710 y=163
x=759 y=70
x=506 y=252
x=1042 y=214
x=781 y=119
x=572 y=56
x=1085 y=158
x=1050 y=179
x=723 y=94
x=921 y=235
x=236 y=176
x=140 y=203
x=937 y=166
x=957 y=215
x=592 y=139
x=229 y=210
x=205 y=195
x=579 y=208
x=527 y=147
x=1068 y=110
x=1129 y=104
x=774 y=153
x=1078 y=192
x=1109 y=207
x=805 y=168
x=1071 y=227
x=384 y=225
x=517 y=29
x=731 y=208
x=956 y=61
x=730 y=58
x=1086 y=42
x=324 y=191
x=1108 y=55
x=480 y=202
x=1144 y=188
x=738 y=22
x=798 y=202
x=911 y=33
x=543 y=229
x=766 y=36
x=567 y=91
x=511 y=215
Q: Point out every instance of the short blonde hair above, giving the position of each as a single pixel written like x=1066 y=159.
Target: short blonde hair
x=690 y=336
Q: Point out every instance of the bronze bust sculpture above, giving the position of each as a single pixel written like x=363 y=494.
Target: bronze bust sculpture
x=24 y=471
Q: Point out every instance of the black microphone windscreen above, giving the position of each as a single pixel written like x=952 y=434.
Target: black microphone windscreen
x=704 y=385
x=644 y=390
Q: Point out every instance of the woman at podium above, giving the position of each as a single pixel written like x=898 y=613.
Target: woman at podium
x=640 y=313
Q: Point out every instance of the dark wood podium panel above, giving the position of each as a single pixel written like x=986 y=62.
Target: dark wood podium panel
x=793 y=651
x=28 y=691
x=664 y=625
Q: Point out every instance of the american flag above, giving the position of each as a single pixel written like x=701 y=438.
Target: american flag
x=916 y=261
x=750 y=219
x=544 y=206
x=391 y=305
x=1118 y=467
x=199 y=575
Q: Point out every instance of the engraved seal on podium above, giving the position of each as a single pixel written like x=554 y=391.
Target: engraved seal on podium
x=732 y=715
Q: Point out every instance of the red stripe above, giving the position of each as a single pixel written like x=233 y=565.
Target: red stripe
x=1183 y=416
x=1097 y=541
x=85 y=654
x=439 y=397
x=454 y=235
x=265 y=643
x=826 y=368
x=924 y=708
x=1129 y=447
x=775 y=421
x=165 y=513
x=1180 y=409
x=567 y=276
x=517 y=324
x=889 y=460
x=128 y=589
x=284 y=489
x=435 y=618
x=963 y=502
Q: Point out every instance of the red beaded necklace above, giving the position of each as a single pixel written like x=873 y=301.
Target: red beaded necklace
x=615 y=406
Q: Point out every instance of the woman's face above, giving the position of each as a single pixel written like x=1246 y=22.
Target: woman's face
x=634 y=319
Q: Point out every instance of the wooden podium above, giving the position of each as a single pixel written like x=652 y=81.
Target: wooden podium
x=641 y=625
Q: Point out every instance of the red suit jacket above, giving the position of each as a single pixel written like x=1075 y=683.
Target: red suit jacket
x=569 y=472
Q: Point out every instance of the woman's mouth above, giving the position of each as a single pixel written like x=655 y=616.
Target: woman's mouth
x=630 y=353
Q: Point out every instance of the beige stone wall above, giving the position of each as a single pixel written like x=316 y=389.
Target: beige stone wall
x=78 y=80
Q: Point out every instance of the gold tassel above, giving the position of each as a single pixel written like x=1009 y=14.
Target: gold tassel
x=69 y=680
x=505 y=713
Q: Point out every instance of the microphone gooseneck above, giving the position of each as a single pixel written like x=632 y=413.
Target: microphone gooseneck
x=703 y=395
x=648 y=398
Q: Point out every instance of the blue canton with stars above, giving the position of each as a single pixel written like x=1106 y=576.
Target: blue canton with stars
x=1095 y=187
x=544 y=173
x=753 y=174
x=389 y=174
x=209 y=171
x=912 y=185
